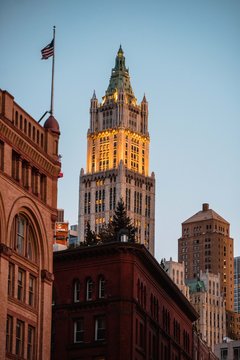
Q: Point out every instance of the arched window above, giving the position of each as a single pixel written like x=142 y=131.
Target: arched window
x=101 y=288
x=89 y=289
x=76 y=290
x=23 y=237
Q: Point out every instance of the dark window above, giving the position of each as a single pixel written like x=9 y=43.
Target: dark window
x=20 y=338
x=78 y=331
x=15 y=165
x=101 y=289
x=30 y=343
x=32 y=290
x=76 y=291
x=9 y=333
x=21 y=285
x=10 y=279
x=89 y=289
x=100 y=328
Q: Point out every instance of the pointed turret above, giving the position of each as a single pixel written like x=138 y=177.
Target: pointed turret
x=120 y=76
x=93 y=111
x=94 y=95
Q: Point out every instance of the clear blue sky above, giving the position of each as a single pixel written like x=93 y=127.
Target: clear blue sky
x=185 y=55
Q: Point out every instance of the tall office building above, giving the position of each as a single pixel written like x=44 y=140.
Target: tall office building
x=118 y=160
x=206 y=245
x=237 y=284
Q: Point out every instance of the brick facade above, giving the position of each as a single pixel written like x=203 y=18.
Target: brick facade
x=29 y=169
x=114 y=301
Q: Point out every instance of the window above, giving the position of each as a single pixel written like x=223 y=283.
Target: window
x=78 y=331
x=101 y=289
x=25 y=177
x=20 y=235
x=224 y=354
x=30 y=343
x=21 y=285
x=236 y=353
x=10 y=279
x=19 y=338
x=23 y=237
x=31 y=293
x=43 y=187
x=89 y=289
x=9 y=333
x=100 y=328
x=76 y=291
x=15 y=165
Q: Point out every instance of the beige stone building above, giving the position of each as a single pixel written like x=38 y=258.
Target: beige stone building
x=206 y=244
x=205 y=296
x=176 y=272
x=29 y=170
x=118 y=160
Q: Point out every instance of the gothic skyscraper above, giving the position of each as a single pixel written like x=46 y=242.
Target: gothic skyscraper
x=118 y=159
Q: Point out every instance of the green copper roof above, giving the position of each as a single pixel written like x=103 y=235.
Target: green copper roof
x=120 y=79
x=195 y=285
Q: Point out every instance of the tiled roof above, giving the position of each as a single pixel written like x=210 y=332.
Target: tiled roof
x=205 y=215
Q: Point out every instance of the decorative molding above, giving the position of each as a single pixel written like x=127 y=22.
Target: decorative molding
x=5 y=250
x=47 y=276
x=25 y=148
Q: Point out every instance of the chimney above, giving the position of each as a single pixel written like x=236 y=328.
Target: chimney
x=205 y=207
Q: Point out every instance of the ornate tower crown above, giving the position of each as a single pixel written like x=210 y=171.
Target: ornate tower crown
x=120 y=79
x=118 y=159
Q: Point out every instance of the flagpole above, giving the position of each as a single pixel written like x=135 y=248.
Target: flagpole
x=53 y=61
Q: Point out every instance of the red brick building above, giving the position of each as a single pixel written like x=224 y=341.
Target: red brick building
x=114 y=301
x=29 y=169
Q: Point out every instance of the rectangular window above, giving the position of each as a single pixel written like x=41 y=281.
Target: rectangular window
x=30 y=343
x=21 y=224
x=31 y=290
x=76 y=291
x=25 y=180
x=15 y=165
x=101 y=288
x=89 y=289
x=100 y=328
x=78 y=331
x=19 y=338
x=9 y=333
x=10 y=279
x=21 y=285
x=43 y=187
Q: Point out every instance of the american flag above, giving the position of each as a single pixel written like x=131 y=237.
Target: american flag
x=48 y=50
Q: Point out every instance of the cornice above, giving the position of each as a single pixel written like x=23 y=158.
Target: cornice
x=147 y=260
x=23 y=146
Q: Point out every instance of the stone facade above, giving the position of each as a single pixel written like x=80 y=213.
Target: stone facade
x=29 y=169
x=206 y=298
x=118 y=160
x=176 y=270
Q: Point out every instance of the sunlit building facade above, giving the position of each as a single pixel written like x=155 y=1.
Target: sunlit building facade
x=206 y=297
x=237 y=284
x=118 y=160
x=29 y=170
x=206 y=245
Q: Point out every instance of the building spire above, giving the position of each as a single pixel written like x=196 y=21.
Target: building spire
x=120 y=76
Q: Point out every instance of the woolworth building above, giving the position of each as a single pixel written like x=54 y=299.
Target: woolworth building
x=118 y=160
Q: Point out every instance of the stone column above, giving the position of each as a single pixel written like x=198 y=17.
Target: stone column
x=5 y=253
